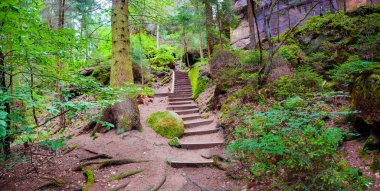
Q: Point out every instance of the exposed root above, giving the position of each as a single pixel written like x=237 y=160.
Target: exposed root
x=92 y=152
x=219 y=164
x=124 y=175
x=160 y=183
x=71 y=148
x=107 y=163
x=81 y=166
x=53 y=184
x=99 y=156
x=120 y=187
x=90 y=179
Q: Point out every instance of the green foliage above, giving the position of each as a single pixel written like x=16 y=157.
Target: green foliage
x=167 y=124
x=291 y=53
x=291 y=147
x=174 y=142
x=304 y=83
x=89 y=174
x=162 y=57
x=198 y=83
x=343 y=74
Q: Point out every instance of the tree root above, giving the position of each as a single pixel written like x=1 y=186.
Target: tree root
x=160 y=183
x=92 y=152
x=120 y=187
x=90 y=179
x=106 y=163
x=124 y=175
x=99 y=156
x=53 y=184
x=71 y=148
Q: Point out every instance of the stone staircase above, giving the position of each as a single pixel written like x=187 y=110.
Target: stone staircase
x=200 y=134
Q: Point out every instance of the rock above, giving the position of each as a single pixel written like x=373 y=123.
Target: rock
x=167 y=124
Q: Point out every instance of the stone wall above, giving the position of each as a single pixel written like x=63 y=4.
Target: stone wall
x=285 y=15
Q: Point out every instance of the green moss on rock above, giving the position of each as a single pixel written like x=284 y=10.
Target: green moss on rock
x=174 y=142
x=167 y=124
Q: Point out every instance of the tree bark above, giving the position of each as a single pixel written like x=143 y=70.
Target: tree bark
x=6 y=141
x=124 y=115
x=201 y=46
x=253 y=4
x=251 y=23
x=219 y=23
x=208 y=13
x=61 y=13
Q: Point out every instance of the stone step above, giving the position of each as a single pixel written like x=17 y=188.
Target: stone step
x=200 y=131
x=180 y=102
x=186 y=111
x=182 y=107
x=198 y=122
x=180 y=91
x=181 y=164
x=200 y=145
x=190 y=117
x=181 y=99
x=180 y=95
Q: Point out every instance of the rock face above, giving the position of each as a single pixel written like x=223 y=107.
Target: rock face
x=366 y=99
x=285 y=15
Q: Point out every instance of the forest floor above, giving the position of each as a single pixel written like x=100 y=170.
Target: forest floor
x=145 y=145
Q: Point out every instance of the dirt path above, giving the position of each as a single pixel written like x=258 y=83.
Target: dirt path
x=145 y=145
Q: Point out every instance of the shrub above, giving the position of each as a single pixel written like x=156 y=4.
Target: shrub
x=162 y=57
x=291 y=53
x=167 y=124
x=343 y=75
x=292 y=148
x=304 y=83
x=198 y=83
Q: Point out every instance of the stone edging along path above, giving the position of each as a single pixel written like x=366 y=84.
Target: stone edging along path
x=200 y=134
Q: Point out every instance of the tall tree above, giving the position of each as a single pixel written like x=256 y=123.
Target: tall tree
x=209 y=25
x=124 y=114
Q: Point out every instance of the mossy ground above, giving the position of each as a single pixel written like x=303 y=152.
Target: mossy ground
x=167 y=124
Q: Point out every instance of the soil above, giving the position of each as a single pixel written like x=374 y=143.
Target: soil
x=144 y=145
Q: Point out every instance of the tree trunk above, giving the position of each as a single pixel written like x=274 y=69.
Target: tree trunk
x=208 y=13
x=251 y=23
x=219 y=23
x=61 y=13
x=253 y=4
x=6 y=141
x=124 y=115
x=201 y=46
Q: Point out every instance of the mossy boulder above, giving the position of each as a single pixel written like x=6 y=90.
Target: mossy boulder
x=366 y=95
x=174 y=142
x=167 y=124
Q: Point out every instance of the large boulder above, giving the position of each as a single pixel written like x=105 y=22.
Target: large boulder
x=167 y=124
x=366 y=99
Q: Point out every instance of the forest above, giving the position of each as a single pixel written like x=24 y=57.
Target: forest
x=189 y=95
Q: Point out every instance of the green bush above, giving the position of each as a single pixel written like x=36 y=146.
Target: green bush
x=162 y=57
x=291 y=53
x=198 y=83
x=167 y=124
x=292 y=148
x=343 y=75
x=304 y=82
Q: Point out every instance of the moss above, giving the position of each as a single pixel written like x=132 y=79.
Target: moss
x=370 y=144
x=55 y=184
x=375 y=166
x=167 y=124
x=205 y=116
x=123 y=126
x=174 y=142
x=366 y=94
x=102 y=73
x=124 y=175
x=90 y=179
